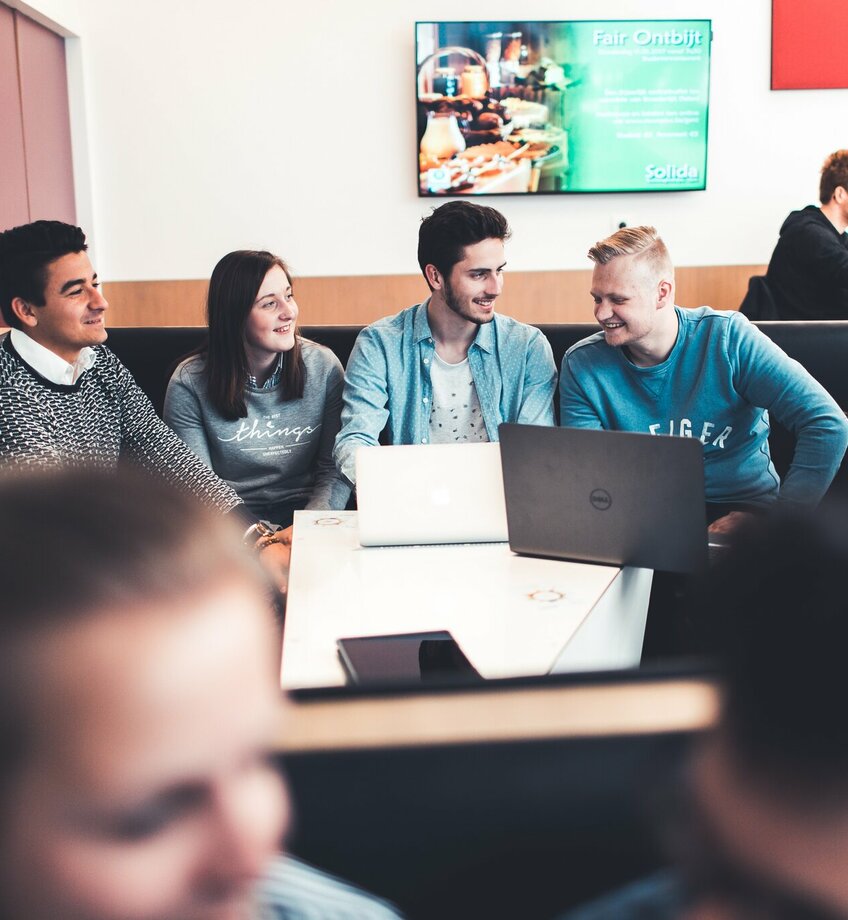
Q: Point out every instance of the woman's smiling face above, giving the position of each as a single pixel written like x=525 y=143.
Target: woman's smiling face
x=270 y=325
x=147 y=791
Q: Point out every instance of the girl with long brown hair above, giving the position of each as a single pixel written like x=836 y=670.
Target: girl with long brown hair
x=258 y=403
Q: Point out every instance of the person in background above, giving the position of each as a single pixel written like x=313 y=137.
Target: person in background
x=807 y=276
x=659 y=369
x=259 y=404
x=450 y=369
x=139 y=708
x=65 y=399
x=764 y=831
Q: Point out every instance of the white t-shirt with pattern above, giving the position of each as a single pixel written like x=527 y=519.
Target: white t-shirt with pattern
x=455 y=415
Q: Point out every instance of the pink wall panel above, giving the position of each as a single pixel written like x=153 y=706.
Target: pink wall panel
x=47 y=128
x=808 y=49
x=14 y=207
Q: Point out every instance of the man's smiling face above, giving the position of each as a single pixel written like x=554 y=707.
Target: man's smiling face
x=627 y=296
x=475 y=282
x=72 y=316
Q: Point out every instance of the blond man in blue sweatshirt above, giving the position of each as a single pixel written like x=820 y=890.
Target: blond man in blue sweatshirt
x=706 y=374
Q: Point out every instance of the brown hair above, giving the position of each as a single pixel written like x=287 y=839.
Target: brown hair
x=834 y=173
x=233 y=287
x=447 y=230
x=78 y=543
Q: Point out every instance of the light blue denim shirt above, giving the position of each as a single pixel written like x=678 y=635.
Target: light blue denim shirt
x=387 y=381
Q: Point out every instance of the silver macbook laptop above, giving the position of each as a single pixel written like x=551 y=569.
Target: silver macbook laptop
x=430 y=493
x=605 y=496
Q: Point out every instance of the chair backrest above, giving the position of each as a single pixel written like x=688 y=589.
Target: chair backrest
x=758 y=303
x=819 y=346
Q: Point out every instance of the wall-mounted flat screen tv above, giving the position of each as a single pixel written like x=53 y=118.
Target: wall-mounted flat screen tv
x=562 y=107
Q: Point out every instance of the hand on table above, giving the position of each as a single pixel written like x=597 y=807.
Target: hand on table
x=728 y=523
x=274 y=558
x=284 y=535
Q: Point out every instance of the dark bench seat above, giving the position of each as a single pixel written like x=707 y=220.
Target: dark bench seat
x=821 y=347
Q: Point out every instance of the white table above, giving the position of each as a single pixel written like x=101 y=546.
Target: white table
x=512 y=615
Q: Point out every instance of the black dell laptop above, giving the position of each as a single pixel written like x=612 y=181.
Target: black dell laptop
x=610 y=497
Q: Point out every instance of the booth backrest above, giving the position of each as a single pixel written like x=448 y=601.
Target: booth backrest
x=516 y=829
x=152 y=352
x=821 y=347
x=503 y=800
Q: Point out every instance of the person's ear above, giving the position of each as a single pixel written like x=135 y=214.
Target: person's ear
x=25 y=312
x=433 y=276
x=665 y=291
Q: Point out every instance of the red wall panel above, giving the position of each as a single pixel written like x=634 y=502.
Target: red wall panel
x=14 y=207
x=46 y=121
x=808 y=44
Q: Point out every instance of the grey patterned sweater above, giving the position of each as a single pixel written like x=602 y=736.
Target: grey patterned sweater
x=102 y=418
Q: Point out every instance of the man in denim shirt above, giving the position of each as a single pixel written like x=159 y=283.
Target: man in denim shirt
x=448 y=370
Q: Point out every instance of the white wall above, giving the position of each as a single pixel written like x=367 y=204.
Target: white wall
x=220 y=125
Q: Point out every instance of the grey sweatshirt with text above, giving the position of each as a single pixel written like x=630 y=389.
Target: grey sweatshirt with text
x=281 y=452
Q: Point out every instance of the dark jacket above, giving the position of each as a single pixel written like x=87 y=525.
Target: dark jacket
x=808 y=272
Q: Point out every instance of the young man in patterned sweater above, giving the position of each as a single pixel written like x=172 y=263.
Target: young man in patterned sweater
x=65 y=399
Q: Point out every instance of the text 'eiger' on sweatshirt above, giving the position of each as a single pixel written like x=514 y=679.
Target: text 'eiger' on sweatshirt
x=720 y=383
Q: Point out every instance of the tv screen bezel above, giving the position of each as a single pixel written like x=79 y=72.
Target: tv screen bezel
x=552 y=193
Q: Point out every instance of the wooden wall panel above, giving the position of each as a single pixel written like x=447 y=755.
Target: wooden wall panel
x=155 y=303
x=719 y=286
x=46 y=122
x=534 y=297
x=14 y=206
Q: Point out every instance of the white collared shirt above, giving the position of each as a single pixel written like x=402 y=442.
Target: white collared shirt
x=48 y=363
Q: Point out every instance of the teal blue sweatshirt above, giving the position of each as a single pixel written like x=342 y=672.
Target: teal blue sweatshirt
x=720 y=383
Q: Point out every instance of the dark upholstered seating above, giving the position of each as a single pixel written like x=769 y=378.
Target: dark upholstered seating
x=152 y=352
x=523 y=827
x=821 y=347
x=758 y=303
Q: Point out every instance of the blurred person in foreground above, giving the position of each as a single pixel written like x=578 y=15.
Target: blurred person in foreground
x=764 y=831
x=138 y=708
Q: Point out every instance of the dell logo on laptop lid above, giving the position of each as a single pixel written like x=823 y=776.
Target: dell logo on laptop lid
x=600 y=499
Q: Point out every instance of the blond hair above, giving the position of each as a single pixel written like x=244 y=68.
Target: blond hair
x=634 y=241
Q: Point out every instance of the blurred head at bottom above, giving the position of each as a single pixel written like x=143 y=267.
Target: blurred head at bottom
x=770 y=786
x=138 y=702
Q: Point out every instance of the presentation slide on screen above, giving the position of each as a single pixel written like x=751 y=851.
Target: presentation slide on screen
x=547 y=107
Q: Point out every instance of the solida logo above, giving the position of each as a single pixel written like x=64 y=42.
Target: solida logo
x=671 y=172
x=600 y=499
